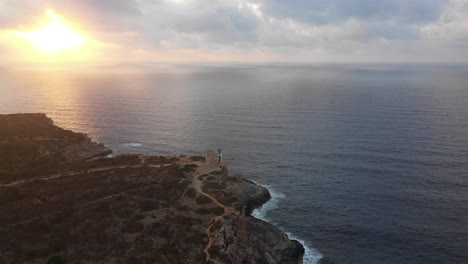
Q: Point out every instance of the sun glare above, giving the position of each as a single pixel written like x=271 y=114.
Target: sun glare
x=54 y=37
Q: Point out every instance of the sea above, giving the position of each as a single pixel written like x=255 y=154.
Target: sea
x=365 y=163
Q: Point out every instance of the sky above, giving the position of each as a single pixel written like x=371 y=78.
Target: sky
x=255 y=31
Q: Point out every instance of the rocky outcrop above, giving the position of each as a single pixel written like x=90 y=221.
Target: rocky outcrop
x=271 y=244
x=246 y=239
x=34 y=147
x=124 y=208
x=263 y=242
x=37 y=129
x=86 y=149
x=17 y=126
x=257 y=198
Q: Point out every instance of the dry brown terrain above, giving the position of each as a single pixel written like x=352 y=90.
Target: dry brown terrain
x=137 y=209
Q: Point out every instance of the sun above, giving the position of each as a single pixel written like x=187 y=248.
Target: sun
x=54 y=37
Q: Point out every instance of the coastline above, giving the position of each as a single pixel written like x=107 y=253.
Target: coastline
x=260 y=240
x=311 y=255
x=143 y=204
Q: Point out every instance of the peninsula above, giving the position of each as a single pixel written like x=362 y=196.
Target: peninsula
x=63 y=201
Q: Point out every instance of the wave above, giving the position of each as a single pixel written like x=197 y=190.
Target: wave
x=132 y=145
x=261 y=212
x=311 y=255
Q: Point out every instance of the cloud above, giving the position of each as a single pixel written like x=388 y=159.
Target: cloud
x=317 y=11
x=352 y=30
x=212 y=23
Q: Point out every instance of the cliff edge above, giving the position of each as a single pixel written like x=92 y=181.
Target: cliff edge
x=126 y=209
x=32 y=146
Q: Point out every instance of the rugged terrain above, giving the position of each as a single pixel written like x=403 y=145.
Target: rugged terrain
x=127 y=209
x=31 y=145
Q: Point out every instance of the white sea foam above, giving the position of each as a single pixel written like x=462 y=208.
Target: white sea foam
x=261 y=212
x=132 y=145
x=311 y=255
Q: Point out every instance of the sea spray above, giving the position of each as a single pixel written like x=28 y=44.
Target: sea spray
x=132 y=145
x=261 y=212
x=311 y=255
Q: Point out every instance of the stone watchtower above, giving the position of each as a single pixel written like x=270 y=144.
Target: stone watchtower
x=215 y=159
x=211 y=158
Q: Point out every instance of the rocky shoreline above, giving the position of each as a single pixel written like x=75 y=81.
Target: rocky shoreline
x=252 y=239
x=125 y=209
x=257 y=200
x=269 y=239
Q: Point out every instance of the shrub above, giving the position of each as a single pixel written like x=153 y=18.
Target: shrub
x=214 y=251
x=56 y=260
x=197 y=158
x=188 y=168
x=190 y=193
x=202 y=177
x=161 y=159
x=179 y=175
x=218 y=210
x=202 y=211
x=57 y=245
x=148 y=206
x=211 y=178
x=38 y=227
x=132 y=227
x=9 y=194
x=229 y=240
x=213 y=185
x=138 y=217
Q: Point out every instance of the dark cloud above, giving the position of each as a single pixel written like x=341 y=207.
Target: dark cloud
x=279 y=26
x=331 y=11
x=379 y=19
x=114 y=7
x=220 y=24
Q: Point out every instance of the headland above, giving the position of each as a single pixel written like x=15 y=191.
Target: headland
x=63 y=201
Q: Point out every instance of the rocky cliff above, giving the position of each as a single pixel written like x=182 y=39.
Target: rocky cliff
x=126 y=209
x=31 y=145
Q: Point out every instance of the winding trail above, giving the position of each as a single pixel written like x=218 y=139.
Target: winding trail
x=60 y=175
x=56 y=176
x=74 y=207
x=196 y=184
x=227 y=211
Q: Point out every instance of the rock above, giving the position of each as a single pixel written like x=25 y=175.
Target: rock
x=262 y=237
x=269 y=259
x=257 y=199
x=255 y=239
x=86 y=149
x=56 y=260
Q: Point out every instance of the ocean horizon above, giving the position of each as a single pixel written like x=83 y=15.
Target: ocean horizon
x=366 y=163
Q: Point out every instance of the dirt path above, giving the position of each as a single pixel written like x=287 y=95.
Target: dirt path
x=74 y=207
x=227 y=211
x=196 y=184
x=47 y=178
